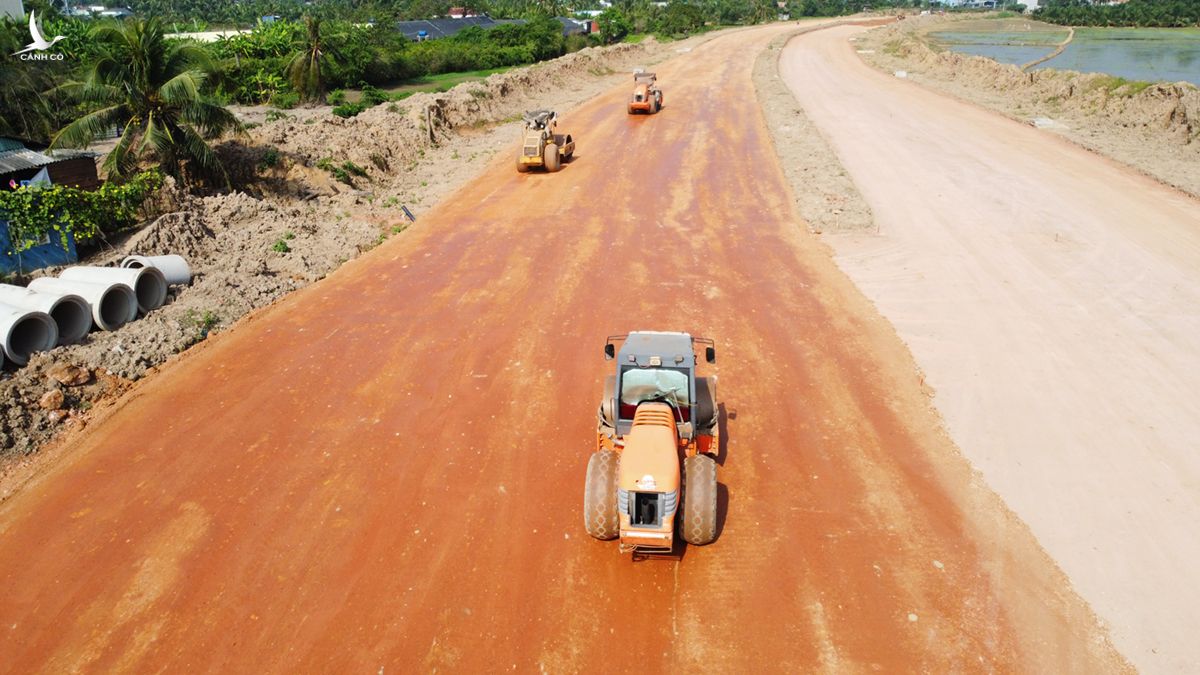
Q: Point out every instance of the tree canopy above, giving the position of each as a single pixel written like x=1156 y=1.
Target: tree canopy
x=151 y=91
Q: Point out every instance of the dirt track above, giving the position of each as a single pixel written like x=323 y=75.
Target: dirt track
x=1052 y=298
x=385 y=469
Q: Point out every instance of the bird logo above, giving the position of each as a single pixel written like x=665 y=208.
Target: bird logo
x=39 y=43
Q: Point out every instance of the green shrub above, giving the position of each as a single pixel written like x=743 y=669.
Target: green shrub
x=336 y=97
x=342 y=172
x=285 y=100
x=37 y=212
x=371 y=96
x=574 y=43
x=348 y=109
x=202 y=323
x=270 y=158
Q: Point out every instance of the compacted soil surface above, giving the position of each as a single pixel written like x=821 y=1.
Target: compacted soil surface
x=291 y=219
x=384 y=470
x=1051 y=298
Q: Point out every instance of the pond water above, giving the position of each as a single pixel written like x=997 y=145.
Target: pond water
x=1146 y=54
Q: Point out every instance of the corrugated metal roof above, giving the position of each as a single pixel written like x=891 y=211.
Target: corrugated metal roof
x=437 y=28
x=22 y=160
x=7 y=144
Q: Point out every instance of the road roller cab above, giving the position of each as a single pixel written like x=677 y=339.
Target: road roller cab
x=657 y=436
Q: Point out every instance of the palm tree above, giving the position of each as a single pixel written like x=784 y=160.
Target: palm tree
x=24 y=111
x=304 y=68
x=151 y=89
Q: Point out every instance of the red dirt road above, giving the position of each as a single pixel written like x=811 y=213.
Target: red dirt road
x=386 y=469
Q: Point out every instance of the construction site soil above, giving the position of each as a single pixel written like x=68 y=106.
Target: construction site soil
x=284 y=200
x=898 y=531
x=383 y=470
x=1051 y=299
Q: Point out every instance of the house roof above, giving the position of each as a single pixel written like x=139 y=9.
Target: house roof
x=571 y=26
x=439 y=28
x=23 y=159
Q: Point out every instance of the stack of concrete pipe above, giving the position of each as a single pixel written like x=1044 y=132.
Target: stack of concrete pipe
x=62 y=311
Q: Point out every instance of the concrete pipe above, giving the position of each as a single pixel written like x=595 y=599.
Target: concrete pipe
x=71 y=313
x=113 y=304
x=25 y=331
x=174 y=268
x=147 y=283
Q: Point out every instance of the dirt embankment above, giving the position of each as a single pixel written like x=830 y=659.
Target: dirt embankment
x=824 y=194
x=299 y=212
x=1154 y=128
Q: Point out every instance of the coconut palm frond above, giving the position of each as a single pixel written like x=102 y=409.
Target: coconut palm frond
x=97 y=124
x=120 y=161
x=155 y=88
x=210 y=119
x=203 y=156
x=183 y=89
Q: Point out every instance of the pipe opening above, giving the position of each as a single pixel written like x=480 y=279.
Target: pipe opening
x=151 y=290
x=30 y=334
x=116 y=307
x=74 y=320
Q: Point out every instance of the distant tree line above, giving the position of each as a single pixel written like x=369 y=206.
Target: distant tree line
x=262 y=66
x=247 y=12
x=1139 y=13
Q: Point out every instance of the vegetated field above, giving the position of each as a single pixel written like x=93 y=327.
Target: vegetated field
x=1015 y=41
x=431 y=83
x=1141 y=54
x=1146 y=54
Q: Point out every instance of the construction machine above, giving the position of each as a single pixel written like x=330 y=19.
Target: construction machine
x=647 y=97
x=654 y=470
x=542 y=146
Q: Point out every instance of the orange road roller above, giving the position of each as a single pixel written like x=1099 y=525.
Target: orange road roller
x=654 y=470
x=647 y=97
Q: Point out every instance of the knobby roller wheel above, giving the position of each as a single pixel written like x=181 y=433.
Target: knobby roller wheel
x=600 y=496
x=551 y=159
x=699 y=500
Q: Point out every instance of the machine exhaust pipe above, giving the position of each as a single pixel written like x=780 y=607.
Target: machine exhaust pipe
x=71 y=313
x=113 y=304
x=174 y=268
x=25 y=331
x=147 y=283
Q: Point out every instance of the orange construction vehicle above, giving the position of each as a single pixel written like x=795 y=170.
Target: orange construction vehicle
x=647 y=97
x=657 y=437
x=541 y=146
